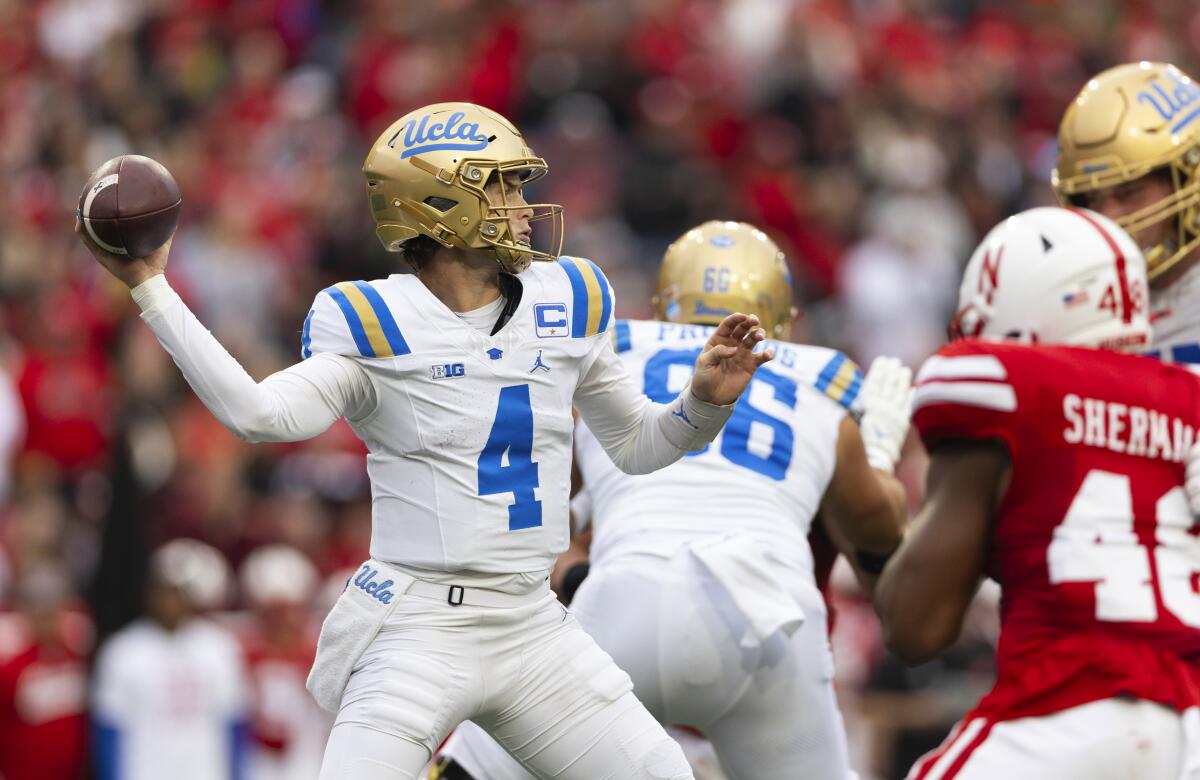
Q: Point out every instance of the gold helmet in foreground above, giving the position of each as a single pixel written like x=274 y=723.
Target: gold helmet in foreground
x=426 y=176
x=721 y=267
x=1127 y=122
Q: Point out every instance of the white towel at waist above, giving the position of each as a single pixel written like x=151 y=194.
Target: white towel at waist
x=751 y=577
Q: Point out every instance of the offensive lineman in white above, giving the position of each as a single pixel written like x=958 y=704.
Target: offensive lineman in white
x=1129 y=148
x=460 y=379
x=701 y=583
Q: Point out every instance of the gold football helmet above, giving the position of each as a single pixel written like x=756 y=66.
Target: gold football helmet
x=426 y=176
x=1129 y=121
x=721 y=267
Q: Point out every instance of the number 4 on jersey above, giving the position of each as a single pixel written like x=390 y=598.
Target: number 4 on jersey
x=506 y=464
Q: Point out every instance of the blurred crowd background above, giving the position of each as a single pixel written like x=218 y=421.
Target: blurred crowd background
x=875 y=140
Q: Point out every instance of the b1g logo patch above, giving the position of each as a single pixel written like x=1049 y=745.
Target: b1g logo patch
x=550 y=320
x=447 y=370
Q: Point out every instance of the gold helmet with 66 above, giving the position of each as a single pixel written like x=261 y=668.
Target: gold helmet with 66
x=426 y=177
x=722 y=267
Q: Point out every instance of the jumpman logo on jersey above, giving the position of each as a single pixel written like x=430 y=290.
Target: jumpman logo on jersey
x=539 y=364
x=680 y=413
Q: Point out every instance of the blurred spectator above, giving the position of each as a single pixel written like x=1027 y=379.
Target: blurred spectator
x=169 y=692
x=288 y=731
x=43 y=684
x=12 y=429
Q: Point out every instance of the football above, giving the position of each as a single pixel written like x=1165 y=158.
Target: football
x=130 y=205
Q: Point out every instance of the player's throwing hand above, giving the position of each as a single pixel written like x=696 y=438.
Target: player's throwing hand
x=728 y=361
x=130 y=270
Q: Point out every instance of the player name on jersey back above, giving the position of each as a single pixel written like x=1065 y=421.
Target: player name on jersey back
x=1123 y=428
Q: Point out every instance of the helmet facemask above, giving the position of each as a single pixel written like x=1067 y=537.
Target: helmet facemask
x=1182 y=206
x=494 y=229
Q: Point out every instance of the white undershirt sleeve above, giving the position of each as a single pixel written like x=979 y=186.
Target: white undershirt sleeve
x=639 y=435
x=296 y=403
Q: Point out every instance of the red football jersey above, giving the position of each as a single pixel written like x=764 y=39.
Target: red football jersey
x=1093 y=545
x=43 y=716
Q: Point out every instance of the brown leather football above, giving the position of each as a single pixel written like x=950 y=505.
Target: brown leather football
x=130 y=205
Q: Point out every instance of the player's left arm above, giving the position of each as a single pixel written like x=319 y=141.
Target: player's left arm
x=864 y=508
x=642 y=436
x=925 y=589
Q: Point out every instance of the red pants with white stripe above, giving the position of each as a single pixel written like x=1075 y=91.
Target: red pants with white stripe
x=1115 y=739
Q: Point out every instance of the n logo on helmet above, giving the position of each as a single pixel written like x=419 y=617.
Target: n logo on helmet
x=989 y=274
x=422 y=136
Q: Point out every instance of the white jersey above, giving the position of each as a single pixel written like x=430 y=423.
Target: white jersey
x=469 y=435
x=764 y=475
x=170 y=704
x=1175 y=318
x=470 y=439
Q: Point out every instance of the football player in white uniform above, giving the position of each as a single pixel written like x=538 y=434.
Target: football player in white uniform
x=701 y=583
x=460 y=379
x=1129 y=148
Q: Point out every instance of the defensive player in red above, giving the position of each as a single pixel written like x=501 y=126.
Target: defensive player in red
x=1057 y=465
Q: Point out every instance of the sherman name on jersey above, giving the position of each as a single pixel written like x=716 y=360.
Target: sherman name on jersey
x=470 y=438
x=1093 y=541
x=782 y=436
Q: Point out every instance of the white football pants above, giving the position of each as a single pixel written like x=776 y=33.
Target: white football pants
x=1110 y=739
x=484 y=759
x=528 y=675
x=769 y=708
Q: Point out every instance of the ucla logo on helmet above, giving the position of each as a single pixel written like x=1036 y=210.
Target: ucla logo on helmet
x=424 y=136
x=1171 y=102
